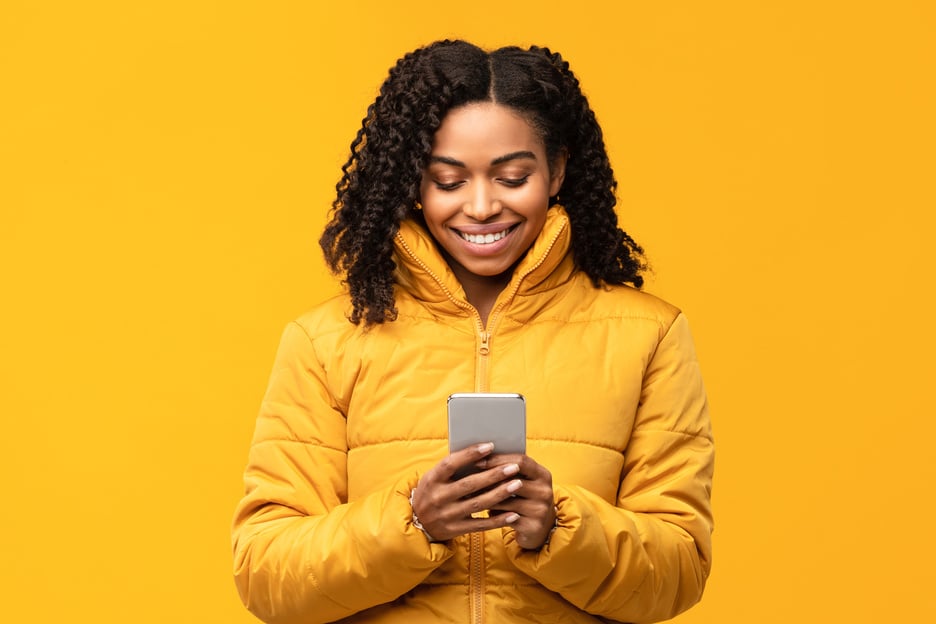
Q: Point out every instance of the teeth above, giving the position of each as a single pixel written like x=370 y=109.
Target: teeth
x=484 y=239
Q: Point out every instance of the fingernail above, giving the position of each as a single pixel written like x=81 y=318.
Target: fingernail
x=511 y=518
x=487 y=447
x=514 y=485
x=510 y=469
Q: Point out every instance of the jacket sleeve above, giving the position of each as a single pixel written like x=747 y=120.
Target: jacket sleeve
x=302 y=553
x=646 y=558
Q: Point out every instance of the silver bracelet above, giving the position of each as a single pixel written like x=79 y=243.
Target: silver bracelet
x=416 y=522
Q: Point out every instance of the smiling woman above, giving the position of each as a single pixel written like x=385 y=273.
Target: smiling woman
x=485 y=195
x=465 y=273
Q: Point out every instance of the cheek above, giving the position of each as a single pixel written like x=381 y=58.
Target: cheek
x=438 y=208
x=535 y=197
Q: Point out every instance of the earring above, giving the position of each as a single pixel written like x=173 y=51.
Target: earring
x=417 y=206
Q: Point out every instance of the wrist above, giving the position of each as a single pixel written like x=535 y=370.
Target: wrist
x=415 y=519
x=551 y=530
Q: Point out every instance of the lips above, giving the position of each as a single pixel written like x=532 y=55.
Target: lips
x=485 y=238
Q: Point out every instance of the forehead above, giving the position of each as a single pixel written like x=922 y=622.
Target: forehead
x=485 y=130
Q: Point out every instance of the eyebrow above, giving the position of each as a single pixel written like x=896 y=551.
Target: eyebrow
x=445 y=160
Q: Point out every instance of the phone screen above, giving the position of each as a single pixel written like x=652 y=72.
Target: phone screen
x=474 y=418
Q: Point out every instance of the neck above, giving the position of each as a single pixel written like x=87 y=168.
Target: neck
x=482 y=291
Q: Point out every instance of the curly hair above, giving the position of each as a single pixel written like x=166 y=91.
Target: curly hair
x=380 y=180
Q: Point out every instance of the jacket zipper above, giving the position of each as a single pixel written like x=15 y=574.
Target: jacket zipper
x=476 y=540
x=476 y=577
x=484 y=349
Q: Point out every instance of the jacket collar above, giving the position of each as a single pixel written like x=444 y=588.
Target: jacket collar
x=424 y=273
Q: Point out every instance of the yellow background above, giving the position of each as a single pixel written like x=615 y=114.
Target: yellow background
x=165 y=170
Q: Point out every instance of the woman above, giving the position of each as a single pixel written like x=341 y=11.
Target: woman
x=474 y=227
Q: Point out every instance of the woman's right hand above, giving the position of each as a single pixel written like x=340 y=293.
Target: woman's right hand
x=445 y=507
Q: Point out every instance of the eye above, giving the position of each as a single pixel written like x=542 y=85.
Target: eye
x=514 y=182
x=447 y=186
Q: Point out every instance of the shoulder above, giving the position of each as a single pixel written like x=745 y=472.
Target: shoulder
x=331 y=315
x=325 y=325
x=623 y=302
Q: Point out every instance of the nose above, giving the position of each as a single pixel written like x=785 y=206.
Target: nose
x=482 y=205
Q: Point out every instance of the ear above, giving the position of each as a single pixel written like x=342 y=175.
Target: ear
x=557 y=172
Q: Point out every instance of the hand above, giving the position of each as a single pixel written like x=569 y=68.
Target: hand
x=530 y=510
x=514 y=488
x=445 y=507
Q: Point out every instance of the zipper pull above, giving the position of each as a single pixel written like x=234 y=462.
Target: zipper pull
x=485 y=343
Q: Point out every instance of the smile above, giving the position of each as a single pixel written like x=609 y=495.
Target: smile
x=486 y=239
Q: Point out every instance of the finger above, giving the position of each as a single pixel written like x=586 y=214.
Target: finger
x=524 y=507
x=475 y=525
x=501 y=459
x=449 y=524
x=539 y=490
x=479 y=483
x=529 y=467
x=462 y=459
x=531 y=532
x=491 y=498
x=529 y=500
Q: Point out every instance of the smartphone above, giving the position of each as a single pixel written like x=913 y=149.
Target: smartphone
x=474 y=418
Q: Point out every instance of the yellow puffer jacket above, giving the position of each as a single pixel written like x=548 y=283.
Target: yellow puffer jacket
x=616 y=411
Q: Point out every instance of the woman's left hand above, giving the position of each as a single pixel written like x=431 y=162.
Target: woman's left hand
x=531 y=504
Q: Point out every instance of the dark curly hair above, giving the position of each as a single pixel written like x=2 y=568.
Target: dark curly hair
x=381 y=179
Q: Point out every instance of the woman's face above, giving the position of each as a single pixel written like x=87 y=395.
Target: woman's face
x=486 y=189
